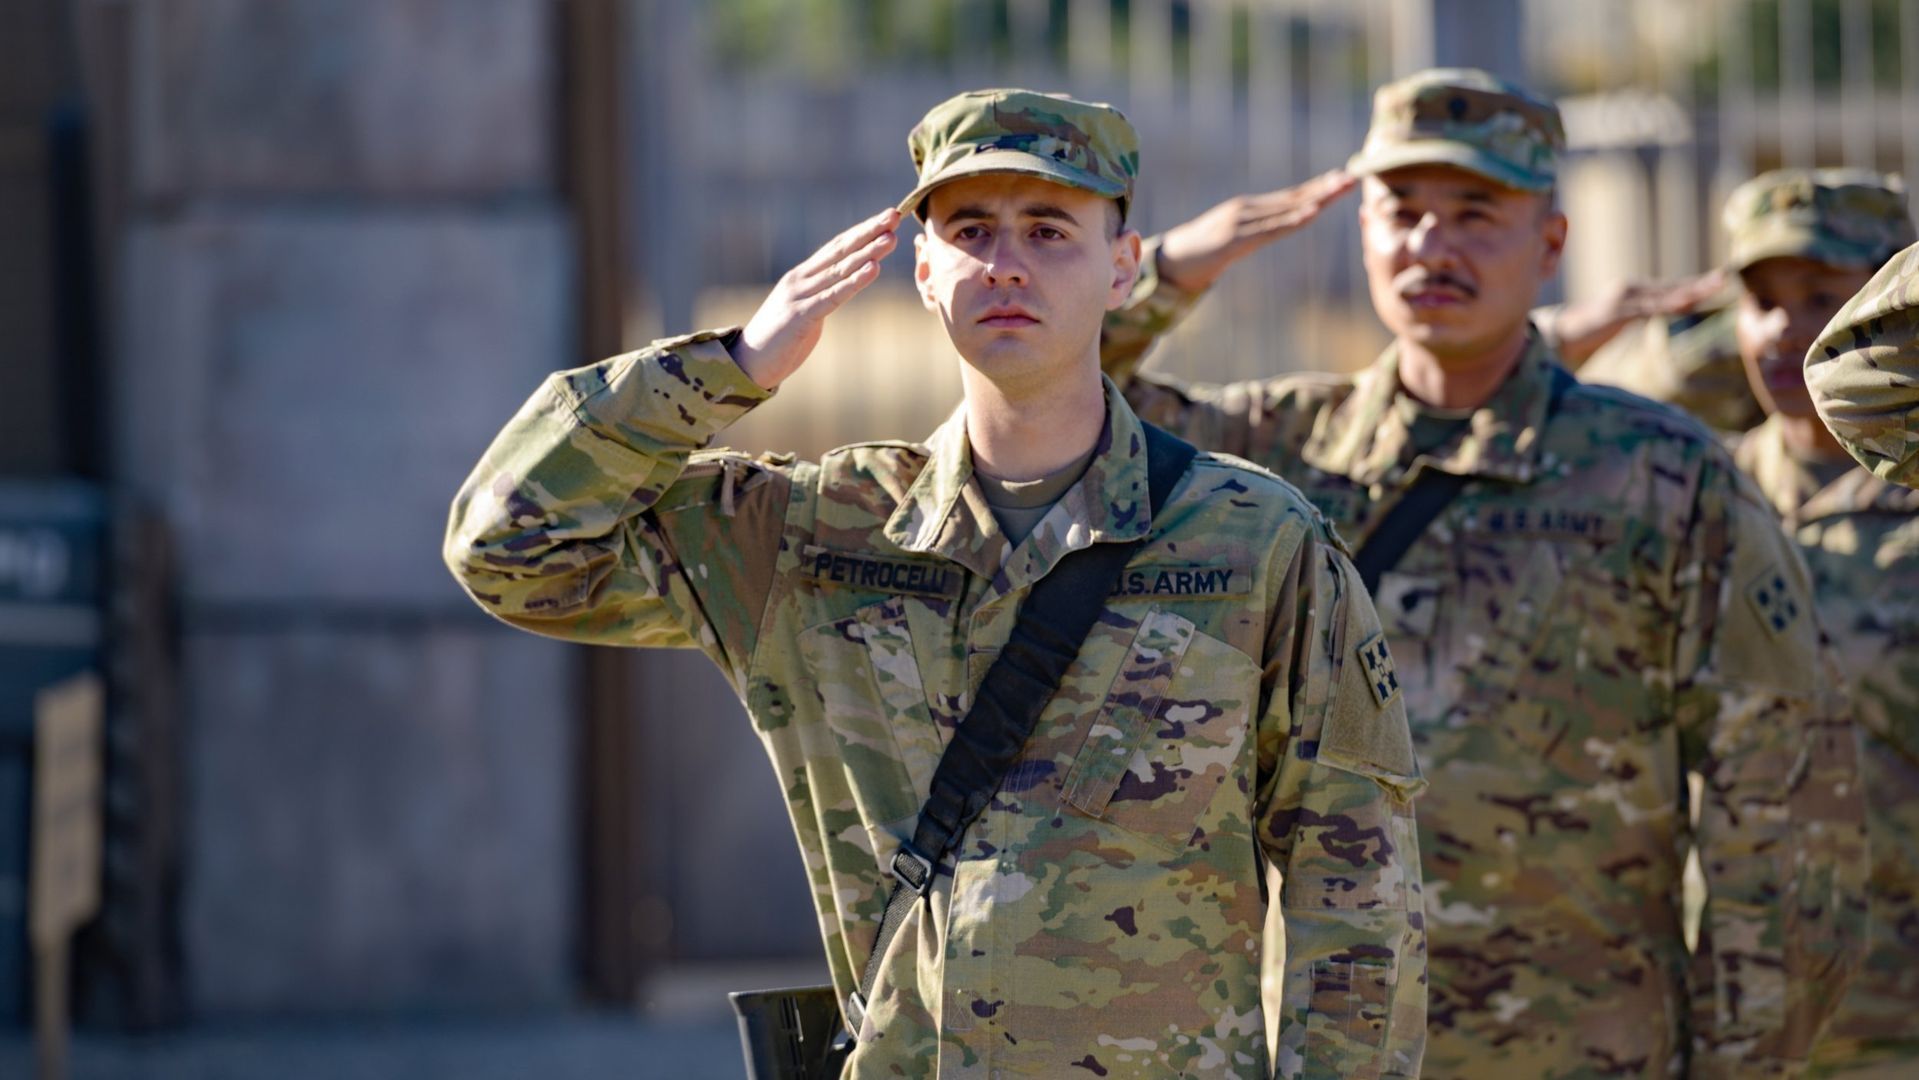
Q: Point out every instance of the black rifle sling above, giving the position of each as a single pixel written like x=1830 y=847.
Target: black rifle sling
x=1058 y=614
x=1430 y=494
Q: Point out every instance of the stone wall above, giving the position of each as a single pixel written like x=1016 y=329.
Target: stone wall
x=345 y=261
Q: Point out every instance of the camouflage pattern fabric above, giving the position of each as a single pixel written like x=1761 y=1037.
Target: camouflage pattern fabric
x=1606 y=608
x=1076 y=143
x=1466 y=118
x=1691 y=365
x=1849 y=218
x=1235 y=708
x=1864 y=372
x=1860 y=537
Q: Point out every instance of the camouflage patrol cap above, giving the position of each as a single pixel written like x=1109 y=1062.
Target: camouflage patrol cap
x=1852 y=218
x=1076 y=143
x=1466 y=118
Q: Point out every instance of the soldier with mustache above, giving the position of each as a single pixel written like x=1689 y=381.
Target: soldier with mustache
x=1588 y=602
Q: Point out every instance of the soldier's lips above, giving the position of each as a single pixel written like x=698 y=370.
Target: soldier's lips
x=1782 y=375
x=1007 y=319
x=1438 y=297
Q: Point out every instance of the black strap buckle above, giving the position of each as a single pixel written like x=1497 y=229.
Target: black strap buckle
x=854 y=1011
x=913 y=870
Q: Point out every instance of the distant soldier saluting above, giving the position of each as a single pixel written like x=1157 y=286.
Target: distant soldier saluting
x=1232 y=706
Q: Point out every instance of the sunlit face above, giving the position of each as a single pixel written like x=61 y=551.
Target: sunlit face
x=1453 y=260
x=1786 y=302
x=1022 y=271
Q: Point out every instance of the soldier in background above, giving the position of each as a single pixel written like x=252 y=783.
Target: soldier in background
x=1592 y=603
x=1232 y=710
x=1803 y=242
x=1863 y=372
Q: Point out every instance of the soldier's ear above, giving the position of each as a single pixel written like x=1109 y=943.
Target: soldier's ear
x=1553 y=231
x=1126 y=253
x=923 y=273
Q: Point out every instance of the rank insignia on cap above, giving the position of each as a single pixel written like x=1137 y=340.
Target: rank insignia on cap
x=1772 y=598
x=1379 y=669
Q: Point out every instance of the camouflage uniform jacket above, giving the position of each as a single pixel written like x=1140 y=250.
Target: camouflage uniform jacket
x=1106 y=912
x=1864 y=372
x=1860 y=537
x=1606 y=607
x=1692 y=365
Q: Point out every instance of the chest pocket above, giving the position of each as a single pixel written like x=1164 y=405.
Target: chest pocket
x=1169 y=735
x=875 y=706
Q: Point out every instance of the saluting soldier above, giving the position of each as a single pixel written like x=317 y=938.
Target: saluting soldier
x=1587 y=602
x=1803 y=242
x=1232 y=708
x=1863 y=372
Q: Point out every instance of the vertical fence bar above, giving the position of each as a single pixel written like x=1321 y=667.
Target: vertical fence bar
x=1735 y=107
x=1211 y=81
x=1676 y=173
x=1909 y=88
x=1269 y=95
x=1089 y=44
x=1032 y=60
x=1149 y=64
x=1798 y=141
x=1859 y=121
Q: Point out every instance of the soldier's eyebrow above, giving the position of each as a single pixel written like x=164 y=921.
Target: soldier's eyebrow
x=1037 y=210
x=1403 y=191
x=1046 y=210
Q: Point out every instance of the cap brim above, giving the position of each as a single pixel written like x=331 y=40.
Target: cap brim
x=1446 y=152
x=1799 y=243
x=1013 y=161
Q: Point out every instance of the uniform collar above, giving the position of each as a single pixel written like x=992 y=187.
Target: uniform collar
x=1783 y=480
x=1369 y=439
x=944 y=512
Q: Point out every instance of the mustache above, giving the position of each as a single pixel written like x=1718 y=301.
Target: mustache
x=1417 y=280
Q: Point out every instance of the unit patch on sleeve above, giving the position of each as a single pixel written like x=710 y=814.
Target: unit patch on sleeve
x=880 y=573
x=1772 y=598
x=1379 y=669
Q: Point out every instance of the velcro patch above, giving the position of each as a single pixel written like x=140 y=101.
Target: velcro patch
x=1544 y=522
x=1380 y=674
x=1184 y=580
x=1772 y=598
x=880 y=573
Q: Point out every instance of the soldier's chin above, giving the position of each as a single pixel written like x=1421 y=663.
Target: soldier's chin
x=1001 y=354
x=1431 y=328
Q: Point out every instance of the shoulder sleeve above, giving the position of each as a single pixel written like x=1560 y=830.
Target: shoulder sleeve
x=595 y=517
x=1781 y=830
x=1863 y=372
x=1335 y=814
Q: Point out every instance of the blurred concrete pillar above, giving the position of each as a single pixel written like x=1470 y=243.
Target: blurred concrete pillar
x=1460 y=33
x=347 y=256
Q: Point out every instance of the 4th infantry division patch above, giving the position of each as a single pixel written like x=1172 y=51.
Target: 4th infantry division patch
x=1379 y=668
x=1773 y=600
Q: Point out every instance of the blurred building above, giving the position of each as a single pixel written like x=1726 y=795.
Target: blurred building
x=272 y=272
